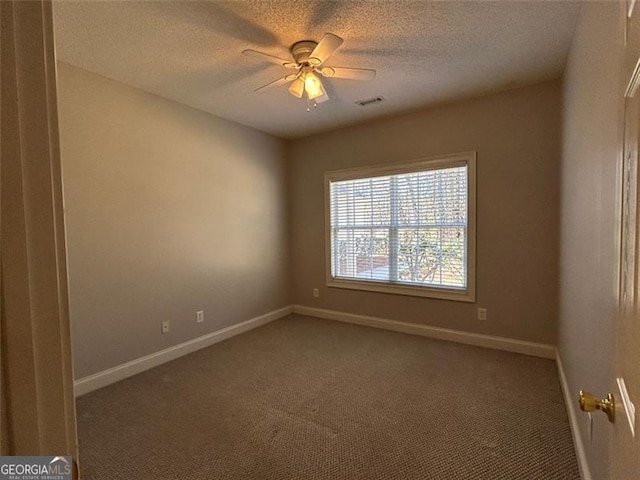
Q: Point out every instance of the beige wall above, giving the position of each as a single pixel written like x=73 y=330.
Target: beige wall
x=169 y=210
x=517 y=137
x=589 y=208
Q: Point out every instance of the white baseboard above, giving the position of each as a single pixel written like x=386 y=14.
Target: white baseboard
x=120 y=372
x=480 y=340
x=570 y=402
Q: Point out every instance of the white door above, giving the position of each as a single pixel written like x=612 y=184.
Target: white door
x=625 y=447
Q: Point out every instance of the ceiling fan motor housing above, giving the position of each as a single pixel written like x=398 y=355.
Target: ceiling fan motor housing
x=302 y=50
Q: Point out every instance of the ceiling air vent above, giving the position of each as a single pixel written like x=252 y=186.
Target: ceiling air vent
x=370 y=101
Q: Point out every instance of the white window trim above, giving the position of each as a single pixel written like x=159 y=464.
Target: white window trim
x=463 y=295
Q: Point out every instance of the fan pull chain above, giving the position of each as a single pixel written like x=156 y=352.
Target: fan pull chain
x=315 y=104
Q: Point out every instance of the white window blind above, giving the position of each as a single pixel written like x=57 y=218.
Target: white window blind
x=402 y=229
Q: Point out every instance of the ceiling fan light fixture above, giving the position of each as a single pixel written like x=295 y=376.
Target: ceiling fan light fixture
x=323 y=98
x=313 y=86
x=297 y=87
x=308 y=61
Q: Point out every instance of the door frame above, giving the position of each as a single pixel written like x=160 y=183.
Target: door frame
x=37 y=405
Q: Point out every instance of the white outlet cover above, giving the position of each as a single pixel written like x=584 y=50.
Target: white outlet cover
x=165 y=326
x=200 y=316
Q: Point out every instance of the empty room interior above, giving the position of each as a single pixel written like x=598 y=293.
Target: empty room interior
x=341 y=239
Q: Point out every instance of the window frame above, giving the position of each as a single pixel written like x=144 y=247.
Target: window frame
x=467 y=159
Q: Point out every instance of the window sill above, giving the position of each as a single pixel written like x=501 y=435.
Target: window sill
x=457 y=295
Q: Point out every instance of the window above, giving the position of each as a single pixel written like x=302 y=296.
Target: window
x=404 y=228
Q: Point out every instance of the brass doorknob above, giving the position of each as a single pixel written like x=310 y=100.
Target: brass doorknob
x=589 y=403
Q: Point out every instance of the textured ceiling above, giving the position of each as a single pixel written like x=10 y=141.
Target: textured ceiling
x=424 y=52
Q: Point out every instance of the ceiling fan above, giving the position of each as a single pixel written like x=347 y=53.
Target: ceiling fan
x=308 y=60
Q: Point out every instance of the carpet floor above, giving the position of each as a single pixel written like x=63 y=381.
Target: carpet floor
x=303 y=398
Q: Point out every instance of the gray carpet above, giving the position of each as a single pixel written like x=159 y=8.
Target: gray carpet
x=303 y=398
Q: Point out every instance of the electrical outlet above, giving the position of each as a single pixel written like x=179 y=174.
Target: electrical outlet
x=165 y=326
x=200 y=316
x=316 y=293
x=482 y=313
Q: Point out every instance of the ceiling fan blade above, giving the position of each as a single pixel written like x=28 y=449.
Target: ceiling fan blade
x=325 y=48
x=276 y=83
x=348 y=73
x=270 y=58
